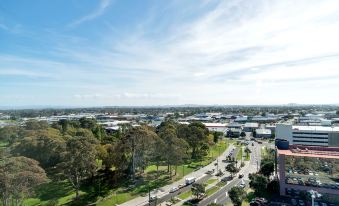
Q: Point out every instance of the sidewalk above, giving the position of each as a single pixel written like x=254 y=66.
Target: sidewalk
x=164 y=190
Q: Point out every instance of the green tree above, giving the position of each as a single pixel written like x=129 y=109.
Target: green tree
x=237 y=195
x=196 y=135
x=87 y=123
x=273 y=187
x=44 y=146
x=258 y=183
x=135 y=149
x=267 y=167
x=231 y=168
x=79 y=161
x=175 y=149
x=242 y=134
x=216 y=136
x=19 y=176
x=11 y=133
x=36 y=125
x=198 y=190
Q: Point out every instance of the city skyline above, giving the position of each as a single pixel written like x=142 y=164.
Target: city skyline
x=132 y=53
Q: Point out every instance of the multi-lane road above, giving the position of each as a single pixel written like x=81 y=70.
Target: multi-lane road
x=221 y=196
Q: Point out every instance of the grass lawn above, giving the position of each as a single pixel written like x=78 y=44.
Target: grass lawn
x=185 y=195
x=264 y=152
x=212 y=190
x=221 y=184
x=240 y=153
x=211 y=181
x=247 y=157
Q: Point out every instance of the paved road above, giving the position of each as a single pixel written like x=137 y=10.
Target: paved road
x=164 y=195
x=168 y=196
x=221 y=197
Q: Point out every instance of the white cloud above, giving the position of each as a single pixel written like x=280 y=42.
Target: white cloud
x=103 y=5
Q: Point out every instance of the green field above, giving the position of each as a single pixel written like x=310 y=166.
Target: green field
x=211 y=181
x=212 y=190
x=185 y=195
x=240 y=153
x=264 y=152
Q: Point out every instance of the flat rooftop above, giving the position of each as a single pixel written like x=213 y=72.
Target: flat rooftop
x=315 y=128
x=311 y=151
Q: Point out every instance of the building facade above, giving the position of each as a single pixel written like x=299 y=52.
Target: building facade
x=308 y=135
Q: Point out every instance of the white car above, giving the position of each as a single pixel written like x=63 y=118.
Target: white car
x=174 y=189
x=242 y=184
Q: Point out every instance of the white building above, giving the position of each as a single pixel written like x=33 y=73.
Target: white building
x=308 y=135
x=216 y=127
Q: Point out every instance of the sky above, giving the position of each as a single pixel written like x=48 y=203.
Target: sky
x=162 y=52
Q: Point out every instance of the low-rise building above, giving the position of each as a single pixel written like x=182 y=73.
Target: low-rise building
x=250 y=126
x=216 y=127
x=234 y=132
x=263 y=133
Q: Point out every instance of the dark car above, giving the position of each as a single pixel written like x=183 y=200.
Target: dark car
x=219 y=173
x=241 y=176
x=225 y=179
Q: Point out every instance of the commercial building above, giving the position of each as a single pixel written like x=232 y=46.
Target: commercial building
x=216 y=127
x=308 y=135
x=234 y=132
x=263 y=133
x=304 y=168
x=250 y=126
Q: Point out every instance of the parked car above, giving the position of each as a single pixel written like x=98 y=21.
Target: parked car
x=316 y=204
x=174 y=189
x=323 y=204
x=289 y=191
x=152 y=198
x=242 y=185
x=301 y=203
x=225 y=179
x=181 y=186
x=209 y=172
x=241 y=176
x=294 y=202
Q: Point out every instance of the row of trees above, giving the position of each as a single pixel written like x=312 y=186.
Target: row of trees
x=76 y=150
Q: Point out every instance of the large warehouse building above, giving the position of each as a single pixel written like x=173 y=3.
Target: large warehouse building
x=308 y=135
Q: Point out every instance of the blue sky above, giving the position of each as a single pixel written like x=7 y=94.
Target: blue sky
x=124 y=52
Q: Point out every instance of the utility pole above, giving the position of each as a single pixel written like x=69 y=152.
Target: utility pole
x=149 y=196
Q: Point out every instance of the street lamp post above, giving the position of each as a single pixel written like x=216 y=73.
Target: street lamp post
x=314 y=194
